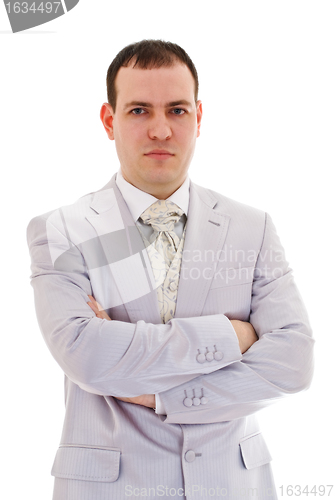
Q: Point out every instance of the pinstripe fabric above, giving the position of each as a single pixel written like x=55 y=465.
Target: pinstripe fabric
x=233 y=267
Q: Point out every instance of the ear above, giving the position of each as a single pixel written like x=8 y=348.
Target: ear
x=107 y=117
x=199 y=116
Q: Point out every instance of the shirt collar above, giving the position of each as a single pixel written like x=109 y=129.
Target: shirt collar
x=138 y=200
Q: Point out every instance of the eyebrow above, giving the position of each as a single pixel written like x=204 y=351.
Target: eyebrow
x=149 y=105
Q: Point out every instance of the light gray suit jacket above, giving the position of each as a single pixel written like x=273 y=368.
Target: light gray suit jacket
x=209 y=440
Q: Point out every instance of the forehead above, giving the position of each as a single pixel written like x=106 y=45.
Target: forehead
x=156 y=84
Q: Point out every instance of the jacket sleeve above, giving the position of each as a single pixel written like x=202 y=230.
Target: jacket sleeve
x=278 y=364
x=114 y=357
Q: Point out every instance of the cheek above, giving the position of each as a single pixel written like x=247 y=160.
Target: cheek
x=186 y=133
x=128 y=139
x=187 y=140
x=134 y=137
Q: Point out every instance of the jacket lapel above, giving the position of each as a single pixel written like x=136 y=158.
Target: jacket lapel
x=205 y=236
x=125 y=252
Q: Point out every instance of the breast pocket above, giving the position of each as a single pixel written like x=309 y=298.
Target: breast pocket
x=230 y=293
x=87 y=463
x=232 y=277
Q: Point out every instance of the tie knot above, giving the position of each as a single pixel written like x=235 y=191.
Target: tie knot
x=162 y=215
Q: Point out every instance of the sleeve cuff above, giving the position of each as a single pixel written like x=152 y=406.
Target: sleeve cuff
x=159 y=406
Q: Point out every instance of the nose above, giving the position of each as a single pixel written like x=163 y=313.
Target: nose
x=159 y=127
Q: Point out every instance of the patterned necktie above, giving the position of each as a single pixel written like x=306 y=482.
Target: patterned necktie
x=164 y=248
x=162 y=216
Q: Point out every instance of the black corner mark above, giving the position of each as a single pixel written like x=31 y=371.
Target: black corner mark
x=69 y=4
x=24 y=15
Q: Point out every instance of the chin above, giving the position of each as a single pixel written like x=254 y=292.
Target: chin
x=164 y=170
x=162 y=178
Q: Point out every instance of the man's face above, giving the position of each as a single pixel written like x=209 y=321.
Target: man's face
x=155 y=113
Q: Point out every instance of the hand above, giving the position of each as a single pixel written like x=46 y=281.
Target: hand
x=148 y=400
x=245 y=333
x=97 y=309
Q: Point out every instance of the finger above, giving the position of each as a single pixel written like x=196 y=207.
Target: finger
x=103 y=315
x=93 y=307
x=100 y=308
x=92 y=299
x=96 y=303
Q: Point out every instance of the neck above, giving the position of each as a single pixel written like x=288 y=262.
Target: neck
x=159 y=191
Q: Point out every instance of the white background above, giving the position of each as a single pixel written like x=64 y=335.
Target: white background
x=267 y=83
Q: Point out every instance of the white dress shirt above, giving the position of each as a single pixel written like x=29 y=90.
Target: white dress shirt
x=138 y=201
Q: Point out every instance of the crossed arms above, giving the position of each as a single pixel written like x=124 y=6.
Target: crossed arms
x=245 y=332
x=125 y=360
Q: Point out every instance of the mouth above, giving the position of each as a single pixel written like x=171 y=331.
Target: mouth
x=159 y=154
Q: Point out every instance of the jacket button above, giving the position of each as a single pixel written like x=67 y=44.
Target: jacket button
x=204 y=400
x=187 y=402
x=196 y=401
x=209 y=356
x=201 y=358
x=218 y=355
x=190 y=456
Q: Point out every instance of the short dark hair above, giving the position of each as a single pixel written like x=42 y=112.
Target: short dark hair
x=149 y=54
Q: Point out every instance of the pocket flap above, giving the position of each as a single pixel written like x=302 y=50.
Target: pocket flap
x=232 y=276
x=87 y=463
x=254 y=451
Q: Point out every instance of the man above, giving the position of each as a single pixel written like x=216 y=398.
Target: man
x=170 y=308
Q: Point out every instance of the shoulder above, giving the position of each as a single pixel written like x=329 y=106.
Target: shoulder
x=246 y=224
x=79 y=208
x=232 y=208
x=249 y=227
x=73 y=215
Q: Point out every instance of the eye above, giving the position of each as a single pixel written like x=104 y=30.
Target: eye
x=134 y=111
x=179 y=109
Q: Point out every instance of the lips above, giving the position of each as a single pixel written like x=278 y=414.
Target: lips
x=159 y=154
